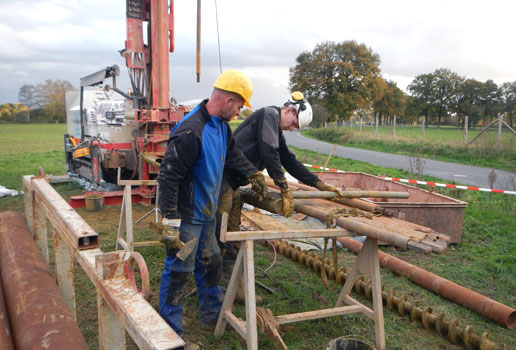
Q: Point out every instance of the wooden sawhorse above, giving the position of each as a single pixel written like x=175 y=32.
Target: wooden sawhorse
x=367 y=263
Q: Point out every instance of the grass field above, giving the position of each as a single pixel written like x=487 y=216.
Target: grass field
x=484 y=261
x=441 y=144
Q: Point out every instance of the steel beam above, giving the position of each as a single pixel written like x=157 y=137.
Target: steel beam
x=129 y=308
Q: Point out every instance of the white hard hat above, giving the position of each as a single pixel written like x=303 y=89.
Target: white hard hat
x=303 y=108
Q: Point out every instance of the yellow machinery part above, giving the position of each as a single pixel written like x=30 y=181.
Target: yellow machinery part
x=81 y=152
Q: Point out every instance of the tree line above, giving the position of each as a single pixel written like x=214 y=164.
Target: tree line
x=42 y=103
x=343 y=80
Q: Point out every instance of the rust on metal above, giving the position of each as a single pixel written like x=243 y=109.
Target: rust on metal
x=406 y=234
x=151 y=159
x=37 y=311
x=137 y=258
x=128 y=307
x=114 y=160
x=272 y=203
x=400 y=304
x=63 y=217
x=477 y=302
x=443 y=214
x=349 y=194
x=6 y=339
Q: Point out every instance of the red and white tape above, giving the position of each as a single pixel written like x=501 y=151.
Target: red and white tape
x=428 y=183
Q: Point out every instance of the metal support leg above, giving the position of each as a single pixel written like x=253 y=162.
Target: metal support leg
x=40 y=230
x=111 y=331
x=64 y=272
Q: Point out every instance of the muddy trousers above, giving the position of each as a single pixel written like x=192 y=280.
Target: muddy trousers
x=205 y=263
x=229 y=202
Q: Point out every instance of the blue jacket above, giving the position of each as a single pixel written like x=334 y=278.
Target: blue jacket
x=191 y=172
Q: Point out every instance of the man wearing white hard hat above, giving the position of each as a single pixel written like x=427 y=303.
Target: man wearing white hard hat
x=260 y=138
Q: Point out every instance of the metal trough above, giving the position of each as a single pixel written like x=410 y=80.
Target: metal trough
x=439 y=212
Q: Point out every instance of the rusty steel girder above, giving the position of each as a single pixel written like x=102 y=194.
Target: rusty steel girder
x=37 y=312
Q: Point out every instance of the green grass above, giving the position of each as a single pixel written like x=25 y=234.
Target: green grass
x=485 y=261
x=26 y=147
x=439 y=144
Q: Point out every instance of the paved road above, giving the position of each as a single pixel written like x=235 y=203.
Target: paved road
x=464 y=174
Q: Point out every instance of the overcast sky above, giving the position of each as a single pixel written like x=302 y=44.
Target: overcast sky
x=68 y=39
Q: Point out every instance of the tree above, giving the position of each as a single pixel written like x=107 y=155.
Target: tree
x=392 y=102
x=46 y=101
x=509 y=100
x=52 y=95
x=445 y=86
x=245 y=113
x=13 y=112
x=29 y=96
x=491 y=100
x=320 y=116
x=434 y=92
x=467 y=101
x=421 y=89
x=339 y=77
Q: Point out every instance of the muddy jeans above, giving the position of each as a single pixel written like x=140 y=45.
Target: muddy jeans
x=205 y=263
x=229 y=202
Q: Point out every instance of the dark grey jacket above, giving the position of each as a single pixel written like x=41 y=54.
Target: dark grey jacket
x=262 y=141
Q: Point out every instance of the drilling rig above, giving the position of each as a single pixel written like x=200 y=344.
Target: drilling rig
x=114 y=133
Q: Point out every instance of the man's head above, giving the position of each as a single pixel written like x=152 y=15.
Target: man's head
x=296 y=112
x=232 y=90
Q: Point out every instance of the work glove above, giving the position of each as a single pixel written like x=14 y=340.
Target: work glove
x=288 y=202
x=258 y=185
x=170 y=235
x=322 y=186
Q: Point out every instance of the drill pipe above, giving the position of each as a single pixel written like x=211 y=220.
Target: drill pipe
x=151 y=159
x=352 y=202
x=36 y=309
x=274 y=203
x=348 y=194
x=381 y=234
x=456 y=334
x=6 y=339
x=479 y=303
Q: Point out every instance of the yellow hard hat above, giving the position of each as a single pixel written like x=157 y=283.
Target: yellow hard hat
x=235 y=81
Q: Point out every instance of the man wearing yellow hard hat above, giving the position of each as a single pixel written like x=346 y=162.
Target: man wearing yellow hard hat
x=199 y=147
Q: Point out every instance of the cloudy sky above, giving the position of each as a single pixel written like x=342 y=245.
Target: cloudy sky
x=68 y=39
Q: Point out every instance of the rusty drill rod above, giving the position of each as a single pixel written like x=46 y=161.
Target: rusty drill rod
x=479 y=303
x=273 y=204
x=36 y=308
x=352 y=202
x=6 y=335
x=348 y=194
x=400 y=304
x=381 y=234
